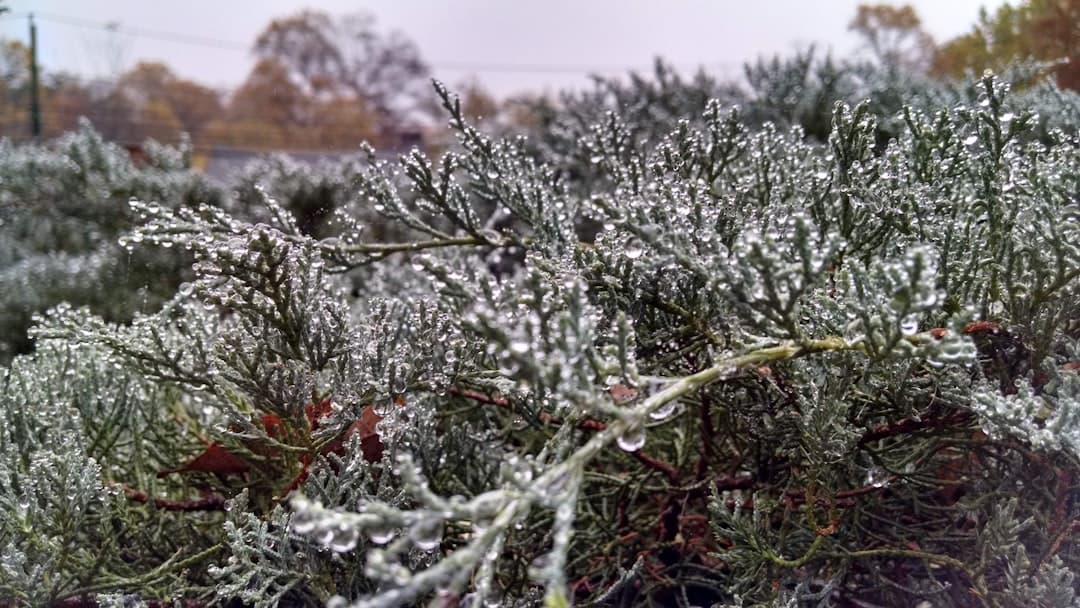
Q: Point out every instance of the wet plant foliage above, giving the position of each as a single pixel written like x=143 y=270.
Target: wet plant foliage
x=675 y=344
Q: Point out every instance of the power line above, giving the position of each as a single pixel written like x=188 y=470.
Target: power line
x=454 y=66
x=143 y=32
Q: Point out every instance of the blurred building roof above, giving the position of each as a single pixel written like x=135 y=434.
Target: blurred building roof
x=222 y=163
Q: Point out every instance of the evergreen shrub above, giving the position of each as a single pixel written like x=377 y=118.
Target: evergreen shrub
x=719 y=363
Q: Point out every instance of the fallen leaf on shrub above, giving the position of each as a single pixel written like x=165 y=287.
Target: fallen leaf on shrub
x=621 y=393
x=214 y=459
x=982 y=327
x=217 y=459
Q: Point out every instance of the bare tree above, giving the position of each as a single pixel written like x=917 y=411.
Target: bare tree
x=331 y=57
x=894 y=34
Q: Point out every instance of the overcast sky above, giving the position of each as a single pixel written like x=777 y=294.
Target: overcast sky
x=508 y=45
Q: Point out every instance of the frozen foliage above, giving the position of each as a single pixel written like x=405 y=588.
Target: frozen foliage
x=798 y=90
x=690 y=355
x=62 y=207
x=73 y=424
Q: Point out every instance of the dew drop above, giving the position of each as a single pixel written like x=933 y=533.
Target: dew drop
x=909 y=326
x=303 y=526
x=383 y=407
x=877 y=477
x=427 y=534
x=344 y=540
x=380 y=536
x=632 y=440
x=664 y=411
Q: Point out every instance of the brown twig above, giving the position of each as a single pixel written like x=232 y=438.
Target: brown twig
x=1073 y=527
x=1060 y=530
x=545 y=417
x=478 y=396
x=208 y=503
x=667 y=469
x=842 y=499
x=587 y=424
x=911 y=425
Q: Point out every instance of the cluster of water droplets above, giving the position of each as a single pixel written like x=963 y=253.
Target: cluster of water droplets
x=335 y=531
x=1047 y=420
x=883 y=306
x=632 y=439
x=403 y=346
x=772 y=269
x=190 y=227
x=878 y=477
x=542 y=334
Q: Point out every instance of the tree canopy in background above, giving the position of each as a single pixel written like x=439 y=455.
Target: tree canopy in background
x=319 y=82
x=349 y=59
x=894 y=35
x=331 y=82
x=1045 y=30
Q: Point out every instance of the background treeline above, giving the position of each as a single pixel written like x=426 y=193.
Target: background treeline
x=330 y=83
x=318 y=83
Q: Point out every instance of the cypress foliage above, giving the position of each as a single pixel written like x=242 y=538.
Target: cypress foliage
x=661 y=350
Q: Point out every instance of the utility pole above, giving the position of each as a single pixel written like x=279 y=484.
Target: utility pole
x=35 y=100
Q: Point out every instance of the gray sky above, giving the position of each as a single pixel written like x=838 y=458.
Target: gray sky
x=508 y=45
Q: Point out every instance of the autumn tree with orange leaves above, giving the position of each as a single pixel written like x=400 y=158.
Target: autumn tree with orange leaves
x=319 y=82
x=1043 y=30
